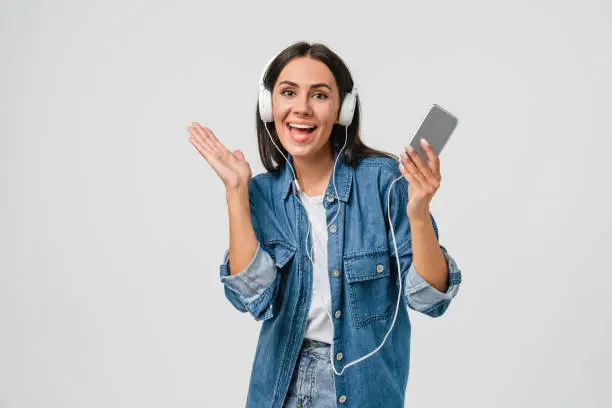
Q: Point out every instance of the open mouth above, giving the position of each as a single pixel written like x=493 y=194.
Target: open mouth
x=301 y=131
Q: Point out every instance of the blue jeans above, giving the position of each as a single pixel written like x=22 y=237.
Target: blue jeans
x=312 y=383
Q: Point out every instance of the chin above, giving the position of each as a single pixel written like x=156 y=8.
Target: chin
x=298 y=151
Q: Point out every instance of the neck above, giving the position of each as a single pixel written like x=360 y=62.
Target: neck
x=313 y=172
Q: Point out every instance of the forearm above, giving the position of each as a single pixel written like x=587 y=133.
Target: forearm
x=428 y=259
x=243 y=242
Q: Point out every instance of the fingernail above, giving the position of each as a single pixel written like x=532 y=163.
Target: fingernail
x=404 y=155
x=401 y=166
x=424 y=142
x=409 y=148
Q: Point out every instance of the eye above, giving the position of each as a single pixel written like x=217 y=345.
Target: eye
x=286 y=90
x=321 y=94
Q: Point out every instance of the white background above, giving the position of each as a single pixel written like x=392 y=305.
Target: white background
x=113 y=227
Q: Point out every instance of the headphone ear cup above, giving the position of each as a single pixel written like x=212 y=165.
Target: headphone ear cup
x=348 y=110
x=265 y=104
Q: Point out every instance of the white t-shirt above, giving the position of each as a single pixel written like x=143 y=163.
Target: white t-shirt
x=318 y=327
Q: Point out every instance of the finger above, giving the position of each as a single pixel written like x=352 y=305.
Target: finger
x=203 y=137
x=210 y=135
x=434 y=160
x=211 y=139
x=409 y=177
x=239 y=155
x=200 y=147
x=412 y=168
x=419 y=163
x=196 y=139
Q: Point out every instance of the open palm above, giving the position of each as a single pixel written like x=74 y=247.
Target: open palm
x=231 y=167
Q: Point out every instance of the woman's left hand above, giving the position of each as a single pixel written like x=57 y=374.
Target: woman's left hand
x=423 y=180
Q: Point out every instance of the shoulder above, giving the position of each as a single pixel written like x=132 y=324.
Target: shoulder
x=262 y=179
x=379 y=164
x=382 y=171
x=263 y=184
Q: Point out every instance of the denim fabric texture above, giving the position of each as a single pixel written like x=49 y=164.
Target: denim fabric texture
x=276 y=287
x=312 y=383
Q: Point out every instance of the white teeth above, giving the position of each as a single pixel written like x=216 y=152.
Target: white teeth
x=295 y=125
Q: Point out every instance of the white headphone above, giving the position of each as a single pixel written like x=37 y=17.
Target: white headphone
x=265 y=101
x=344 y=118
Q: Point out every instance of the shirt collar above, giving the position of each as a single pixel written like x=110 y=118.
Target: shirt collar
x=344 y=178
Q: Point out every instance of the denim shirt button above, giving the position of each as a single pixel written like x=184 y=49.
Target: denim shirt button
x=342 y=399
x=338 y=314
x=335 y=273
x=330 y=199
x=380 y=268
x=333 y=228
x=339 y=356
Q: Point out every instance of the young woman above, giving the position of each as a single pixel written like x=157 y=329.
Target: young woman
x=326 y=248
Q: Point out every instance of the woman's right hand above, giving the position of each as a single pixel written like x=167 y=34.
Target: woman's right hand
x=231 y=167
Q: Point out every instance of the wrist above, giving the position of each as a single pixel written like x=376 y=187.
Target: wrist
x=236 y=192
x=422 y=217
x=419 y=221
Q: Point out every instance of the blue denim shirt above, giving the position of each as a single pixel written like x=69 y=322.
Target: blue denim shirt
x=276 y=286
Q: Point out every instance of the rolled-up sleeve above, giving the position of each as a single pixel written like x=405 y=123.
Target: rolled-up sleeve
x=423 y=297
x=253 y=288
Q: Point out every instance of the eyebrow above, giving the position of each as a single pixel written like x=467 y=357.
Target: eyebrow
x=319 y=85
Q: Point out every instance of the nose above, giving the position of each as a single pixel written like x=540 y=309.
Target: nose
x=302 y=105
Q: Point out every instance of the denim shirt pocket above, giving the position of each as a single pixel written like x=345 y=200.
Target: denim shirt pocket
x=370 y=285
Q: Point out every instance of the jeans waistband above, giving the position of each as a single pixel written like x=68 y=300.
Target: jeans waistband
x=309 y=343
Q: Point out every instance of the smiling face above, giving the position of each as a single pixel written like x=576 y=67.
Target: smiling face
x=305 y=94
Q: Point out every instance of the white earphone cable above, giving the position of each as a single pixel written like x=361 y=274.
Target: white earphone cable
x=399 y=297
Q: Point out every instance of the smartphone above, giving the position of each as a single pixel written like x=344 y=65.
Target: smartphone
x=436 y=129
